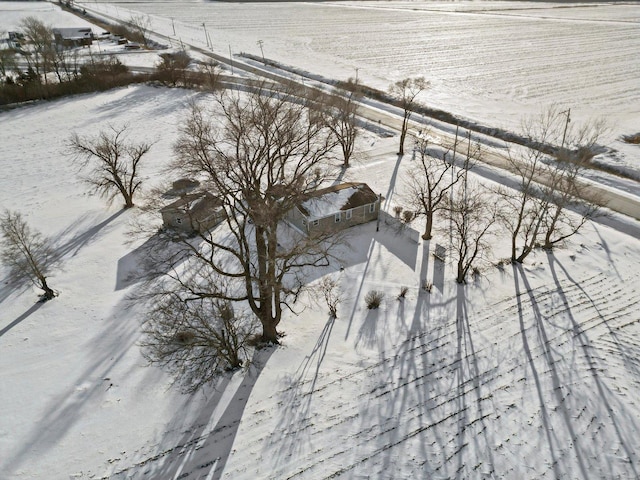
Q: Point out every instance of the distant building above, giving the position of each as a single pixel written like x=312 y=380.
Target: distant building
x=193 y=213
x=73 y=37
x=336 y=208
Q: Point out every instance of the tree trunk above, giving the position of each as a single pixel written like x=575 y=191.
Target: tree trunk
x=269 y=332
x=128 y=201
x=427 y=229
x=461 y=273
x=48 y=293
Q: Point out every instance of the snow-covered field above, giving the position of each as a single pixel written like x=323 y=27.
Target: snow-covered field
x=492 y=62
x=524 y=373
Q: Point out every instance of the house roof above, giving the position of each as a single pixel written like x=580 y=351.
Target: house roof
x=193 y=202
x=73 y=33
x=345 y=196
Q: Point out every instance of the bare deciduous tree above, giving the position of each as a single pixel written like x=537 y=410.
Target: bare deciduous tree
x=261 y=156
x=26 y=252
x=342 y=110
x=196 y=340
x=140 y=25
x=40 y=50
x=172 y=68
x=472 y=214
x=7 y=62
x=210 y=72
x=563 y=194
x=328 y=291
x=549 y=184
x=430 y=180
x=406 y=91
x=112 y=162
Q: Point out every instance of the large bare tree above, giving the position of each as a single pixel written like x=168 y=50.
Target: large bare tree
x=342 y=109
x=472 y=213
x=112 y=162
x=260 y=153
x=539 y=210
x=26 y=252
x=430 y=180
x=40 y=50
x=406 y=92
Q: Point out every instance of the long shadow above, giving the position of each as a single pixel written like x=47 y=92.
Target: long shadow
x=399 y=239
x=466 y=356
x=544 y=414
x=392 y=181
x=203 y=452
x=297 y=398
x=556 y=382
x=414 y=392
x=26 y=314
x=73 y=246
x=65 y=409
x=60 y=250
x=587 y=350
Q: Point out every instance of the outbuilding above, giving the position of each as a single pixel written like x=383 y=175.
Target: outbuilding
x=193 y=213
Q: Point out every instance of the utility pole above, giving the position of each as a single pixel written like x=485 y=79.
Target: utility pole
x=357 y=68
x=206 y=36
x=566 y=125
x=260 y=44
x=173 y=25
x=230 y=59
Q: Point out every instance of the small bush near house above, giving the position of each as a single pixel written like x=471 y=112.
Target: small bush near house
x=373 y=299
x=407 y=216
x=397 y=210
x=403 y=292
x=634 y=139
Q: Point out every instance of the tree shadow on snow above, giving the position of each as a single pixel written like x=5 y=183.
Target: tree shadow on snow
x=589 y=351
x=22 y=317
x=557 y=378
x=204 y=448
x=61 y=250
x=296 y=399
x=89 y=388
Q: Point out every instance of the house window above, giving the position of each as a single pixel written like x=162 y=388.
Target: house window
x=316 y=223
x=349 y=214
x=372 y=208
x=304 y=223
x=338 y=217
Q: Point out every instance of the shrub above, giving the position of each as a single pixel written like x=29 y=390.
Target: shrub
x=403 y=292
x=373 y=299
x=397 y=210
x=634 y=138
x=407 y=216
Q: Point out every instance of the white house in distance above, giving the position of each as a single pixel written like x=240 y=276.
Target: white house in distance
x=336 y=208
x=73 y=37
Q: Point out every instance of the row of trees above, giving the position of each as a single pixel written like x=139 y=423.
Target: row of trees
x=41 y=68
x=544 y=210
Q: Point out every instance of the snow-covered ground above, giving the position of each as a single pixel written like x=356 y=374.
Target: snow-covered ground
x=491 y=62
x=523 y=373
